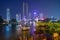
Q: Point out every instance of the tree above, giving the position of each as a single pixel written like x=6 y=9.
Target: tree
x=47 y=19
x=13 y=22
x=1 y=25
x=1 y=20
x=58 y=21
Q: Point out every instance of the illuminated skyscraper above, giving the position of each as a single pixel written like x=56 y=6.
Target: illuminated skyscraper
x=17 y=17
x=29 y=16
x=25 y=9
x=41 y=16
x=8 y=14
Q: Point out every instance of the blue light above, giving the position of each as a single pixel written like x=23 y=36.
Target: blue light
x=7 y=28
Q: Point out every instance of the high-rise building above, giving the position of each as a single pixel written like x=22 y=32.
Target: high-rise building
x=25 y=9
x=8 y=14
x=41 y=16
x=29 y=16
x=17 y=17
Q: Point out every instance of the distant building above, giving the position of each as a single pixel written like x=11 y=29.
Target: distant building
x=41 y=16
x=25 y=10
x=53 y=19
x=17 y=17
x=8 y=14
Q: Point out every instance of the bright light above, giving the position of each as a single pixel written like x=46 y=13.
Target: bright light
x=41 y=16
x=42 y=19
x=34 y=24
x=24 y=18
x=36 y=19
x=16 y=14
x=35 y=13
x=30 y=22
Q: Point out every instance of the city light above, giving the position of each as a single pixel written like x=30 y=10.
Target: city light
x=35 y=13
x=8 y=14
x=24 y=18
x=7 y=28
x=36 y=19
x=29 y=20
x=17 y=17
x=34 y=24
x=42 y=16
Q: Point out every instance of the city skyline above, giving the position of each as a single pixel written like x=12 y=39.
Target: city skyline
x=48 y=7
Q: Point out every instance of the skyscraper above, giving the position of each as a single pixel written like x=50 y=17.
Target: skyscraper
x=41 y=16
x=25 y=9
x=17 y=17
x=8 y=14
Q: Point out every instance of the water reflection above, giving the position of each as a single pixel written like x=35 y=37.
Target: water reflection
x=7 y=31
x=18 y=29
x=11 y=31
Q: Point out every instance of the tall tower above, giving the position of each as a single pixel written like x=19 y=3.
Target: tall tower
x=25 y=9
x=29 y=16
x=19 y=17
x=8 y=14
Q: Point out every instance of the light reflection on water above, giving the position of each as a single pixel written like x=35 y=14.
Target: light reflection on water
x=7 y=31
x=18 y=29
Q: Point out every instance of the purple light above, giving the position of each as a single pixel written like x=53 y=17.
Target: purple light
x=35 y=13
x=34 y=24
x=24 y=18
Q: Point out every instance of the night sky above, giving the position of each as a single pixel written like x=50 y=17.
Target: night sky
x=47 y=7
